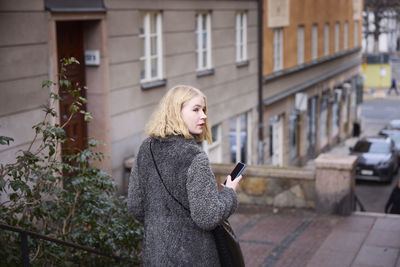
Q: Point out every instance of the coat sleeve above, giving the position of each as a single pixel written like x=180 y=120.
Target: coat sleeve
x=135 y=195
x=208 y=207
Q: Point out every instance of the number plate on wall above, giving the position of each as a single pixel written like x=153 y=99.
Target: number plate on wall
x=92 y=58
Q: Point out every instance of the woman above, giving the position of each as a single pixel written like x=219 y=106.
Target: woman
x=180 y=205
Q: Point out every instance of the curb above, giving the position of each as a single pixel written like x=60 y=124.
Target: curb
x=376 y=214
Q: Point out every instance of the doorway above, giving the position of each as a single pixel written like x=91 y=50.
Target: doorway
x=312 y=126
x=70 y=44
x=276 y=140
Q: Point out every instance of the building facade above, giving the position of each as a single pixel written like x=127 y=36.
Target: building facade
x=131 y=53
x=388 y=31
x=311 y=84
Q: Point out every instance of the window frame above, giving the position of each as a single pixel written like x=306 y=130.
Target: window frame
x=345 y=35
x=326 y=39
x=278 y=49
x=145 y=37
x=216 y=144
x=314 y=44
x=300 y=44
x=337 y=36
x=200 y=64
x=237 y=120
x=356 y=28
x=241 y=36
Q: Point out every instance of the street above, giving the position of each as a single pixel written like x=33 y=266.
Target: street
x=375 y=114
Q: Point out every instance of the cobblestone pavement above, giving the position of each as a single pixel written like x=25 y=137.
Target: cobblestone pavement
x=287 y=237
x=299 y=237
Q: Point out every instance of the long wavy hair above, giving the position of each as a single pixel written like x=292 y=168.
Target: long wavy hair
x=167 y=118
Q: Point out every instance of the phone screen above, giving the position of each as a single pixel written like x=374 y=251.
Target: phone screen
x=237 y=170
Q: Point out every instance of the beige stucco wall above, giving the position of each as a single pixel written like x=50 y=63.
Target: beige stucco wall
x=24 y=65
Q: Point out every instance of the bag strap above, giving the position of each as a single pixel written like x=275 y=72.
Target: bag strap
x=159 y=175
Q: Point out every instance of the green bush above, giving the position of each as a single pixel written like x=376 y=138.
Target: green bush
x=64 y=196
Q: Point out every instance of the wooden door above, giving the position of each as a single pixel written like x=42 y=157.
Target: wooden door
x=70 y=44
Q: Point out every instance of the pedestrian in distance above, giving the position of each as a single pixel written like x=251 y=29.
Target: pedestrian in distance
x=393 y=203
x=172 y=189
x=393 y=87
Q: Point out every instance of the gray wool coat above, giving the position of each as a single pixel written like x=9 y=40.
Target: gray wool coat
x=174 y=236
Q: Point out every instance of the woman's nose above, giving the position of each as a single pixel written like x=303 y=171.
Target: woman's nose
x=203 y=115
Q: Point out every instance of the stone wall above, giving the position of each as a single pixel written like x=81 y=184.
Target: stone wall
x=328 y=188
x=335 y=184
x=273 y=186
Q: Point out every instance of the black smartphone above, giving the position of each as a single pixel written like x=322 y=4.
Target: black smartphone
x=239 y=168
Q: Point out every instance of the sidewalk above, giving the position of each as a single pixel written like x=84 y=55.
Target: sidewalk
x=371 y=93
x=363 y=239
x=298 y=237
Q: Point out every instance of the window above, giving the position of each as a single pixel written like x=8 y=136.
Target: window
x=300 y=45
x=355 y=33
x=337 y=28
x=314 y=42
x=214 y=149
x=374 y=147
x=239 y=137
x=278 y=47
x=345 y=35
x=241 y=36
x=151 y=47
x=203 y=41
x=326 y=40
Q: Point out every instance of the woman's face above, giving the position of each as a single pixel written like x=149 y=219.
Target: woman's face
x=193 y=114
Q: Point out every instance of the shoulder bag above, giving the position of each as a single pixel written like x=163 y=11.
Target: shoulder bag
x=229 y=251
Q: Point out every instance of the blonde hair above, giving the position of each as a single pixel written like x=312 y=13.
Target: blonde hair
x=167 y=118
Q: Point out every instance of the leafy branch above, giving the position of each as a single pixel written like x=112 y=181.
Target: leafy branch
x=86 y=210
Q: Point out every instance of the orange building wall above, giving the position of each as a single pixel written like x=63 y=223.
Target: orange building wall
x=307 y=13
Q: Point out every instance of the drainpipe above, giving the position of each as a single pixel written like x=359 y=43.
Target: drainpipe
x=260 y=84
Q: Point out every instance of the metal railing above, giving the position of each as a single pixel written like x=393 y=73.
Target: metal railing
x=25 y=250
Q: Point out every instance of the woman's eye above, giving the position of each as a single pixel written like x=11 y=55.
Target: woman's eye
x=196 y=109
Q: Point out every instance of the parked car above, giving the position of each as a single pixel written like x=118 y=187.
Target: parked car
x=377 y=158
x=393 y=125
x=395 y=136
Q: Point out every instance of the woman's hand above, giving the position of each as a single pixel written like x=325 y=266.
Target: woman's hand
x=232 y=184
